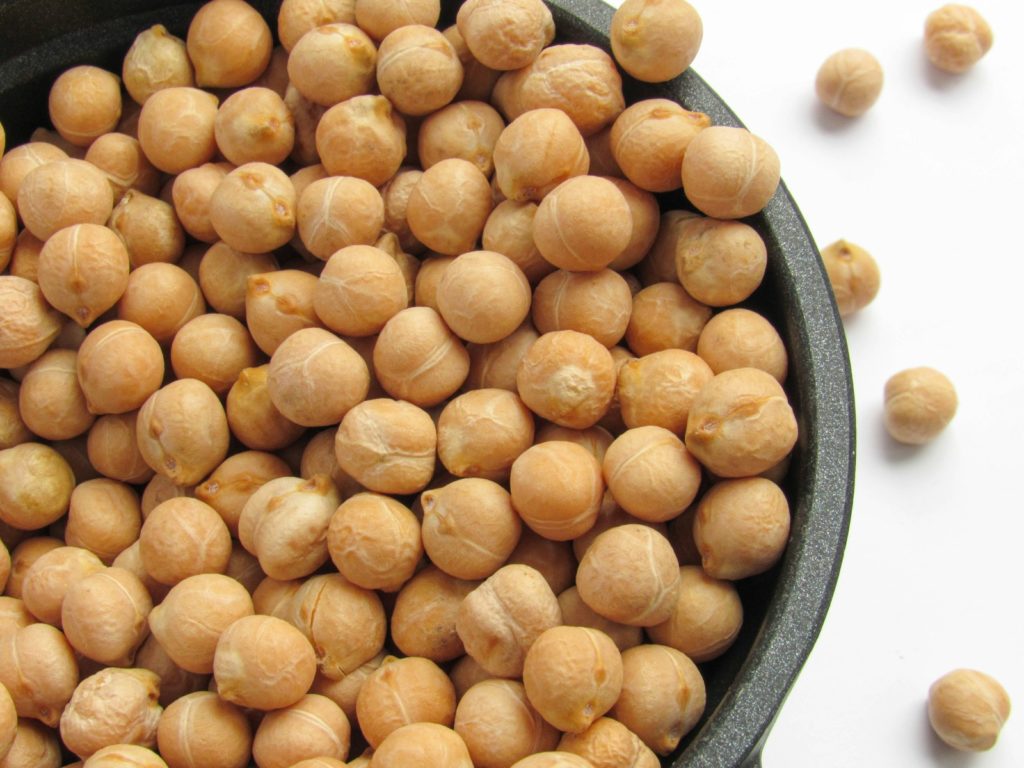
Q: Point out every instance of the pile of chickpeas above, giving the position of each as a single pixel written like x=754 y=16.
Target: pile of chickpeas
x=362 y=404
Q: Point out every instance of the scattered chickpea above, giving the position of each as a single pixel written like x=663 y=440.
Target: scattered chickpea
x=649 y=140
x=229 y=44
x=919 y=404
x=556 y=488
x=418 y=70
x=104 y=517
x=85 y=103
x=595 y=439
x=853 y=274
x=584 y=224
x=297 y=17
x=481 y=432
x=30 y=324
x=417 y=358
x=113 y=706
x=466 y=130
x=651 y=474
x=121 y=158
x=956 y=37
x=345 y=690
x=449 y=205
x=536 y=152
x=339 y=211
x=183 y=537
x=494 y=366
x=849 y=81
x=149 y=229
x=608 y=743
x=967 y=709
x=379 y=18
x=729 y=172
x=161 y=298
x=13 y=430
x=119 y=366
x=277 y=304
x=482 y=296
x=741 y=338
x=104 y=616
x=16 y=164
x=23 y=556
x=252 y=416
x=254 y=125
x=665 y=316
x=214 y=349
x=422 y=744
x=655 y=40
x=363 y=137
x=374 y=541
x=156 y=60
x=505 y=35
x=39 y=669
x=401 y=692
x=202 y=730
x=80 y=249
x=499 y=725
x=176 y=128
x=35 y=486
x=191 y=191
x=318 y=459
x=556 y=759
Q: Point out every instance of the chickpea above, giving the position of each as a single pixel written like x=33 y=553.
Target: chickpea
x=387 y=446
x=23 y=556
x=651 y=474
x=665 y=317
x=35 y=486
x=161 y=298
x=919 y=403
x=113 y=706
x=719 y=262
x=229 y=44
x=175 y=682
x=191 y=192
x=608 y=743
x=50 y=400
x=418 y=70
x=13 y=430
x=124 y=756
x=379 y=18
x=466 y=130
x=252 y=415
x=374 y=541
x=967 y=709
x=596 y=303
x=449 y=206
x=729 y=172
x=121 y=158
x=556 y=759
x=494 y=366
x=556 y=488
x=740 y=338
x=234 y=481
x=8 y=231
x=481 y=432
x=576 y=613
x=119 y=366
x=509 y=231
x=706 y=618
x=254 y=125
x=956 y=37
x=183 y=537
x=29 y=326
x=401 y=692
x=176 y=128
x=418 y=358
x=312 y=727
x=38 y=668
x=849 y=82
x=505 y=35
x=363 y=137
x=277 y=304
x=424 y=617
x=104 y=616
x=156 y=60
x=202 y=729
x=536 y=152
x=595 y=439
x=61 y=193
x=318 y=459
x=428 y=279
x=306 y=115
x=34 y=746
x=149 y=229
x=483 y=296
x=253 y=208
x=655 y=41
x=337 y=212
x=83 y=249
x=345 y=690
x=324 y=762
x=223 y=273
x=649 y=140
x=499 y=725
x=8 y=721
x=160 y=489
x=104 y=517
x=85 y=103
x=360 y=288
x=21 y=160
x=853 y=274
x=214 y=349
x=658 y=389
x=422 y=744
x=297 y=17
x=395 y=194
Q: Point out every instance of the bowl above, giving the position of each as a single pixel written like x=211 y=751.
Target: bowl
x=784 y=608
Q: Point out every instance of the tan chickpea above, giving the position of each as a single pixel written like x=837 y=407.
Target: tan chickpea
x=16 y=164
x=318 y=459
x=658 y=389
x=175 y=682
x=183 y=537
x=706 y=618
x=919 y=404
x=23 y=556
x=254 y=125
x=229 y=44
x=121 y=158
x=651 y=474
x=464 y=129
x=505 y=36
x=401 y=692
x=424 y=617
x=306 y=115
x=50 y=401
x=849 y=82
x=554 y=560
x=665 y=317
x=596 y=303
x=34 y=746
x=104 y=517
x=223 y=272
x=234 y=481
x=482 y=296
x=214 y=349
x=339 y=211
x=176 y=128
x=277 y=304
x=418 y=69
x=85 y=103
x=296 y=17
x=25 y=257
x=595 y=439
x=662 y=698
x=113 y=706
x=956 y=37
x=124 y=756
x=967 y=709
x=469 y=527
x=363 y=137
x=13 y=430
x=449 y=206
x=202 y=730
x=61 y=193
x=149 y=229
x=379 y=18
x=649 y=141
x=35 y=486
x=428 y=278
x=252 y=416
x=417 y=358
x=89 y=249
x=30 y=324
x=576 y=613
x=720 y=263
x=422 y=744
x=536 y=152
x=607 y=743
x=374 y=541
x=481 y=432
x=509 y=231
x=8 y=231
x=253 y=208
x=853 y=274
x=360 y=288
x=499 y=725
x=191 y=192
x=345 y=690
x=572 y=676
x=104 y=616
x=655 y=41
x=8 y=722
x=161 y=298
x=494 y=366
x=119 y=366
x=39 y=670
x=557 y=488
x=156 y=60
x=160 y=489
x=740 y=338
x=501 y=619
x=396 y=203
x=729 y=172
x=312 y=727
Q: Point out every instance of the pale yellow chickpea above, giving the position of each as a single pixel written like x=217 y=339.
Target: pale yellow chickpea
x=449 y=206
x=25 y=256
x=104 y=616
x=339 y=211
x=494 y=366
x=509 y=231
x=729 y=173
x=113 y=706
x=469 y=527
x=596 y=303
x=240 y=475
x=85 y=103
x=379 y=18
x=401 y=692
x=536 y=152
x=499 y=725
x=720 y=263
x=422 y=744
x=297 y=17
x=651 y=474
x=161 y=298
x=741 y=338
x=363 y=137
x=396 y=203
x=360 y=288
x=34 y=746
x=175 y=682
x=121 y=158
x=649 y=141
x=499 y=620
x=481 y=432
x=50 y=400
x=428 y=278
x=176 y=128
x=277 y=304
x=665 y=316
x=505 y=35
x=483 y=296
x=104 y=517
x=229 y=44
x=183 y=537
x=374 y=541
x=191 y=192
x=849 y=81
x=61 y=193
x=253 y=208
x=595 y=439
x=853 y=274
x=418 y=358
x=919 y=404
x=576 y=613
x=35 y=486
x=423 y=619
x=706 y=618
x=464 y=129
x=252 y=416
x=23 y=556
x=306 y=115
x=967 y=709
x=658 y=389
x=124 y=756
x=654 y=40
x=557 y=488
x=202 y=730
x=13 y=430
x=156 y=60
x=8 y=231
x=314 y=726
x=214 y=349
x=465 y=673
x=89 y=249
x=160 y=489
x=30 y=324
x=318 y=459
x=607 y=743
x=741 y=527
x=572 y=676
x=120 y=365
x=39 y=669
x=149 y=229
x=16 y=164
x=956 y=37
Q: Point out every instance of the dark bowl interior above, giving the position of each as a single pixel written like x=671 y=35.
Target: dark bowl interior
x=784 y=608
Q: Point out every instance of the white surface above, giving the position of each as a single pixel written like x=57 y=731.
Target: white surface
x=929 y=181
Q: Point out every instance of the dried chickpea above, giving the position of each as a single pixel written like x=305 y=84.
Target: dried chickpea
x=149 y=229
x=584 y=224
x=306 y=115
x=494 y=366
x=113 y=706
x=104 y=517
x=481 y=432
x=23 y=556
x=363 y=137
x=339 y=211
x=119 y=366
x=557 y=488
x=651 y=474
x=50 y=401
x=156 y=60
x=572 y=676
x=428 y=278
x=595 y=439
x=223 y=272
x=853 y=274
x=396 y=203
x=124 y=756
x=379 y=18
x=967 y=709
x=202 y=730
x=229 y=44
x=464 y=129
x=556 y=759
x=424 y=617
x=729 y=172
x=252 y=416
x=104 y=616
x=662 y=698
x=83 y=249
x=191 y=192
x=401 y=692
x=61 y=193
x=499 y=725
x=8 y=721
x=297 y=17
x=121 y=158
x=34 y=746
x=345 y=690
x=318 y=459
x=253 y=208
x=422 y=744
x=85 y=103
x=16 y=164
x=13 y=430
x=314 y=726
x=214 y=349
x=720 y=262
x=658 y=389
x=919 y=403
x=39 y=670
x=175 y=682
x=183 y=537
x=35 y=486
x=418 y=358
x=161 y=298
x=277 y=304
x=596 y=303
x=418 y=70
x=30 y=324
x=849 y=82
x=505 y=35
x=254 y=125
x=576 y=613
x=649 y=140
x=655 y=40
x=482 y=296
x=956 y=37
x=449 y=206
x=509 y=231
x=740 y=338
x=665 y=316
x=176 y=128
x=159 y=489
x=235 y=480
x=536 y=152
x=500 y=619
x=608 y=743
x=706 y=617
x=360 y=288
x=8 y=231
x=374 y=541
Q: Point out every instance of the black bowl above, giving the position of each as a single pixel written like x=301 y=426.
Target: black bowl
x=785 y=608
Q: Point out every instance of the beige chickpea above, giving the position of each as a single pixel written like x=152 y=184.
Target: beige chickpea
x=499 y=725
x=306 y=116
x=741 y=338
x=30 y=324
x=508 y=35
x=39 y=670
x=849 y=81
x=176 y=128
x=23 y=556
x=360 y=288
x=234 y=481
x=494 y=366
x=203 y=730
x=499 y=620
x=333 y=62
x=595 y=439
x=556 y=488
x=296 y=17
x=244 y=568
x=214 y=349
x=121 y=158
x=363 y=137
x=706 y=617
x=649 y=141
x=156 y=60
x=318 y=459
x=345 y=690
x=651 y=474
x=85 y=103
x=658 y=389
x=35 y=486
x=422 y=744
x=465 y=673
x=62 y=193
x=16 y=164
x=183 y=537
x=314 y=726
x=576 y=613
x=175 y=682
x=469 y=527
x=50 y=401
x=741 y=527
x=449 y=206
x=596 y=303
x=191 y=192
x=104 y=615
x=124 y=756
x=665 y=316
x=401 y=692
x=967 y=709
x=339 y=211
x=956 y=37
x=481 y=433
x=113 y=450
x=483 y=296
x=396 y=203
x=160 y=489
x=720 y=262
x=919 y=403
x=662 y=698
x=424 y=617
x=13 y=430
x=741 y=423
x=655 y=41
x=428 y=278
x=161 y=298
x=130 y=559
x=536 y=152
x=418 y=358
x=119 y=366
x=374 y=541
x=607 y=743
x=418 y=69
x=254 y=125
x=381 y=17
x=277 y=304
x=223 y=273
x=104 y=517
x=253 y=208
x=602 y=161
x=252 y=416
x=464 y=129
x=34 y=746
x=509 y=231
x=229 y=44
x=8 y=721
x=853 y=274
x=113 y=706
x=729 y=172
x=83 y=249
x=182 y=431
